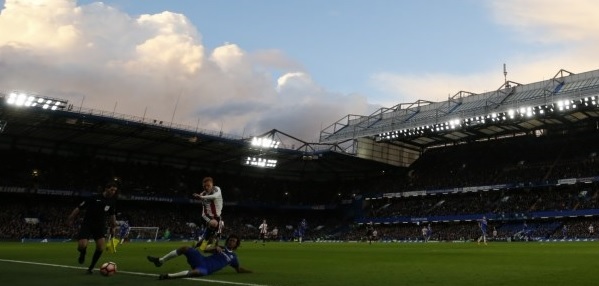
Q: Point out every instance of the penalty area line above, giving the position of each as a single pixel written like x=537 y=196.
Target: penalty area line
x=130 y=272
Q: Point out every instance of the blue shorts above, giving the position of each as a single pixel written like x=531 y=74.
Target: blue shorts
x=196 y=260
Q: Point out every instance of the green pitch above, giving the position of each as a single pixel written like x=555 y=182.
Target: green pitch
x=292 y=264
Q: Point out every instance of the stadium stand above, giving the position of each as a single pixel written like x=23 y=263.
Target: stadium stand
x=542 y=169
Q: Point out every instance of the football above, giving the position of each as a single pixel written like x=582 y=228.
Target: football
x=108 y=269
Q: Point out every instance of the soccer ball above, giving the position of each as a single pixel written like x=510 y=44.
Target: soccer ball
x=108 y=269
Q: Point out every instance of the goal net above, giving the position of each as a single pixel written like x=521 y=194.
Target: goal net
x=143 y=233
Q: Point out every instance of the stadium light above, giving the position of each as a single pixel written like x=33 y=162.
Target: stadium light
x=260 y=162
x=27 y=100
x=517 y=114
x=264 y=142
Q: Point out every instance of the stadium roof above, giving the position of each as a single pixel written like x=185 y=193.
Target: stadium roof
x=69 y=132
x=562 y=102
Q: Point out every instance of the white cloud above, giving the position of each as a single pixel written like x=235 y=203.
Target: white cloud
x=157 y=67
x=28 y=24
x=549 y=20
x=567 y=33
x=431 y=87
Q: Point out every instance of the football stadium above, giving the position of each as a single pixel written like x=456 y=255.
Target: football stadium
x=493 y=188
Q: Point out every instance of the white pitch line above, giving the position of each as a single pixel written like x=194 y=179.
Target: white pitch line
x=130 y=272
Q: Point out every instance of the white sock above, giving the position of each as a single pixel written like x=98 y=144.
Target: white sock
x=179 y=274
x=169 y=256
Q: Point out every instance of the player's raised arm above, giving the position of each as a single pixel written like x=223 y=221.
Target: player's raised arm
x=215 y=194
x=198 y=195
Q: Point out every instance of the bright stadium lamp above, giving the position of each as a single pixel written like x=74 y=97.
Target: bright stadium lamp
x=260 y=162
x=26 y=100
x=264 y=142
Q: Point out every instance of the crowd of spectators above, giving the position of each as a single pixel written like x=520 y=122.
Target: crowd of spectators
x=44 y=217
x=530 y=162
x=499 y=202
x=39 y=217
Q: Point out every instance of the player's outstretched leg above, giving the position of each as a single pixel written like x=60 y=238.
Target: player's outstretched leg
x=199 y=243
x=202 y=241
x=163 y=277
x=155 y=260
x=209 y=233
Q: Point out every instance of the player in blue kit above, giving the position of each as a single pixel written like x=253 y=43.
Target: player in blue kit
x=124 y=231
x=301 y=230
x=482 y=224
x=203 y=265
x=429 y=233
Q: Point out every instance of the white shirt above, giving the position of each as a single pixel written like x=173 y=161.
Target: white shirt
x=212 y=204
x=263 y=228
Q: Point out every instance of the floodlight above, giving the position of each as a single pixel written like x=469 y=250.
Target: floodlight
x=522 y=111
x=26 y=100
x=563 y=104
x=455 y=123
x=265 y=142
x=529 y=111
x=260 y=162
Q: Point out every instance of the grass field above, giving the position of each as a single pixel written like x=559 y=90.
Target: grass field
x=347 y=264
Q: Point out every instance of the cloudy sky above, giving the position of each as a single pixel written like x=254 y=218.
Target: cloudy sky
x=245 y=67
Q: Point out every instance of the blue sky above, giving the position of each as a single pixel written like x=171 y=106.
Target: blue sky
x=246 y=67
x=341 y=42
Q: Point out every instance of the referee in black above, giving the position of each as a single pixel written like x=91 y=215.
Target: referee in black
x=96 y=209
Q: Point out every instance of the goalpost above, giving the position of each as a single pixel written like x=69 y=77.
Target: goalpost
x=143 y=233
